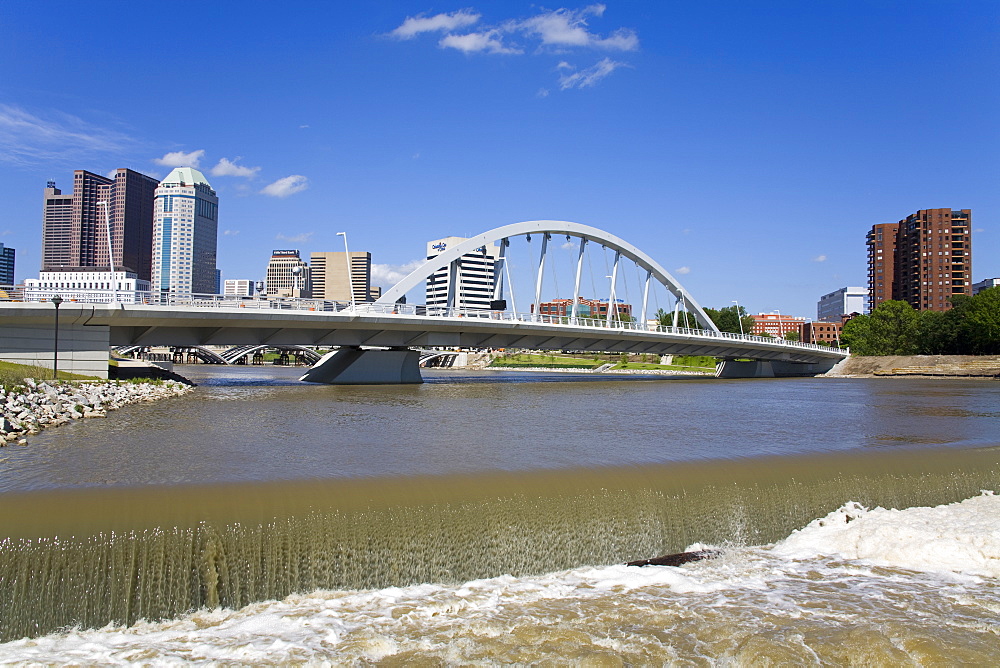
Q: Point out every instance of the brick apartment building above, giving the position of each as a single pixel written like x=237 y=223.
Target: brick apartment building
x=924 y=259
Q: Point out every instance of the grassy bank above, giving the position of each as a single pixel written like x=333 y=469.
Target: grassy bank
x=587 y=363
x=14 y=374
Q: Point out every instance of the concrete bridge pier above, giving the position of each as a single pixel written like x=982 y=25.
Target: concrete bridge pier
x=350 y=365
x=770 y=368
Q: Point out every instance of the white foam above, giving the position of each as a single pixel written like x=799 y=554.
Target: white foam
x=451 y=622
x=959 y=537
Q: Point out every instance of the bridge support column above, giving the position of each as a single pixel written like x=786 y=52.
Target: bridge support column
x=354 y=366
x=770 y=368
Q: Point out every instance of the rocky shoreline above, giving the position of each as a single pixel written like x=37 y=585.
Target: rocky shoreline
x=27 y=409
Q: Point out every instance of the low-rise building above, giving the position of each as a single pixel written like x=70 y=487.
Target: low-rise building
x=821 y=332
x=88 y=284
x=984 y=285
x=776 y=324
x=586 y=308
x=238 y=287
x=832 y=306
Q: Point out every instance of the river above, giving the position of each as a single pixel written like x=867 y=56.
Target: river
x=485 y=517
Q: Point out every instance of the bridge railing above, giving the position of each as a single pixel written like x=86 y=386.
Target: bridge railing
x=151 y=298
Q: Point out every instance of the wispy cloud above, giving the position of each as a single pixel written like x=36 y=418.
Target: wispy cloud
x=682 y=270
x=286 y=186
x=230 y=233
x=297 y=239
x=27 y=138
x=387 y=275
x=414 y=25
x=559 y=31
x=819 y=258
x=590 y=76
x=181 y=159
x=488 y=42
x=228 y=167
x=568 y=28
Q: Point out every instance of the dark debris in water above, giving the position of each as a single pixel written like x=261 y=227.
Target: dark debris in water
x=678 y=559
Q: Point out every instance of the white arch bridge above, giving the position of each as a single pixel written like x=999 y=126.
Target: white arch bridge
x=378 y=342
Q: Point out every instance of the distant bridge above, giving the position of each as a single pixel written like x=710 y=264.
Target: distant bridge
x=397 y=330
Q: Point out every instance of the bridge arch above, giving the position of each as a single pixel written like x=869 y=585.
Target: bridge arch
x=545 y=228
x=232 y=355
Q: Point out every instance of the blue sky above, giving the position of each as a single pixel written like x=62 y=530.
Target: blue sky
x=746 y=146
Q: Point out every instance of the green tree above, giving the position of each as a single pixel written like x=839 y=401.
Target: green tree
x=978 y=321
x=792 y=336
x=684 y=319
x=891 y=329
x=728 y=319
x=937 y=332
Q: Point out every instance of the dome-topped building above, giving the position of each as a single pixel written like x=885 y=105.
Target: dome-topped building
x=185 y=234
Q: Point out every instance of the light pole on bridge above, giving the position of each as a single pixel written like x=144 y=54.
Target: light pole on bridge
x=739 y=317
x=350 y=274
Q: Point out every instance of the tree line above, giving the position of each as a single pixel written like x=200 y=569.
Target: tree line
x=970 y=327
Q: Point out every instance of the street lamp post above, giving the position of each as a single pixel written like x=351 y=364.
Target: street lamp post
x=739 y=318
x=350 y=274
x=56 y=301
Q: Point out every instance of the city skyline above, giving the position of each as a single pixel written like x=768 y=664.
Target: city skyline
x=725 y=141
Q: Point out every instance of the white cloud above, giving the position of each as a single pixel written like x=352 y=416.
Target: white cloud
x=590 y=76
x=297 y=239
x=181 y=159
x=301 y=127
x=289 y=185
x=542 y=92
x=682 y=270
x=6 y=233
x=819 y=258
x=569 y=245
x=568 y=28
x=979 y=229
x=230 y=168
x=476 y=42
x=230 y=233
x=551 y=31
x=26 y=138
x=387 y=275
x=414 y=25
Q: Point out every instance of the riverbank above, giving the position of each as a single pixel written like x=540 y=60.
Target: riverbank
x=601 y=371
x=28 y=408
x=929 y=366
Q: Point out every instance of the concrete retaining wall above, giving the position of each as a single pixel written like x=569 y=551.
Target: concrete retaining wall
x=82 y=349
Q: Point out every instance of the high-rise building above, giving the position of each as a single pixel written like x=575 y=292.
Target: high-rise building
x=929 y=257
x=75 y=227
x=288 y=275
x=238 y=287
x=881 y=263
x=933 y=258
x=844 y=301
x=328 y=273
x=185 y=234
x=473 y=274
x=6 y=265
x=57 y=223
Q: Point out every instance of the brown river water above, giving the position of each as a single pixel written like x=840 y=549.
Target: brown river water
x=484 y=517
